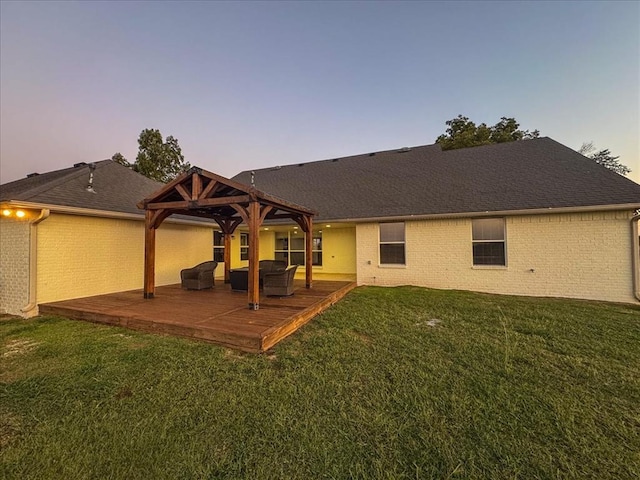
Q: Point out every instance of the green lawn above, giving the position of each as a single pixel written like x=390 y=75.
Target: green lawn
x=499 y=387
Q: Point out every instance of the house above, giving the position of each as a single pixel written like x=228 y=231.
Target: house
x=77 y=232
x=525 y=218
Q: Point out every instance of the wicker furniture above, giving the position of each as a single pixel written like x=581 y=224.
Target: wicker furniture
x=199 y=277
x=270 y=266
x=279 y=283
x=239 y=278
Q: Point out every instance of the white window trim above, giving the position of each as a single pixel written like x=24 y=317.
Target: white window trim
x=393 y=265
x=504 y=240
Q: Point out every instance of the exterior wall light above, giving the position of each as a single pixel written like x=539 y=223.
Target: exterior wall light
x=11 y=213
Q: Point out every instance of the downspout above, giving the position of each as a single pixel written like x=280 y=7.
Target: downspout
x=33 y=261
x=635 y=248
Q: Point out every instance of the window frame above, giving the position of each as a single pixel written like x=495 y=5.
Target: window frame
x=503 y=241
x=288 y=251
x=244 y=246
x=218 y=246
x=403 y=243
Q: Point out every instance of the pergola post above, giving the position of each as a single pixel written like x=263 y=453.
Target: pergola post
x=308 y=236
x=227 y=257
x=149 y=255
x=254 y=249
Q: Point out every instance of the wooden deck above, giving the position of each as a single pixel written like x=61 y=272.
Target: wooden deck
x=218 y=315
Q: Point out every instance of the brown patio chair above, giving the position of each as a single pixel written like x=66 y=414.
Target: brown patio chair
x=279 y=283
x=198 y=277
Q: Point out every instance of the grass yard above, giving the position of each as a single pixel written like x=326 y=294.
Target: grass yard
x=391 y=383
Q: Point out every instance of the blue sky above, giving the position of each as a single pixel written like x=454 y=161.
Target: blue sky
x=247 y=85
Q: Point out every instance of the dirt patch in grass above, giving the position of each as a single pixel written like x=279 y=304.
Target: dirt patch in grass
x=9 y=427
x=234 y=355
x=124 y=392
x=12 y=351
x=18 y=346
x=363 y=337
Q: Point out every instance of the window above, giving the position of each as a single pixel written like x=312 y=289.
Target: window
x=290 y=248
x=489 y=241
x=218 y=247
x=244 y=246
x=392 y=244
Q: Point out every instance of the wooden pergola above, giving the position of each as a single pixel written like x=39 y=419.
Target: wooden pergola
x=200 y=193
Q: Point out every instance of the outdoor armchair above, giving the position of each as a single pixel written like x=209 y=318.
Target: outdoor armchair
x=198 y=277
x=270 y=266
x=279 y=283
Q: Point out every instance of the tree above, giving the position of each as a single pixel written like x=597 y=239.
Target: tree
x=118 y=157
x=604 y=158
x=462 y=133
x=157 y=159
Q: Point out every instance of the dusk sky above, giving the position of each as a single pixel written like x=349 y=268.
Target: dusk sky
x=246 y=85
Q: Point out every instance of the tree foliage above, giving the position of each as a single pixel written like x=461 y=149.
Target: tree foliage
x=462 y=133
x=118 y=157
x=157 y=159
x=604 y=158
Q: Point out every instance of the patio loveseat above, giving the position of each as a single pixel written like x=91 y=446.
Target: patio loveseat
x=240 y=276
x=199 y=277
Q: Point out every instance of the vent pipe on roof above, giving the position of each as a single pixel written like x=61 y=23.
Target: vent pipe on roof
x=253 y=178
x=89 y=187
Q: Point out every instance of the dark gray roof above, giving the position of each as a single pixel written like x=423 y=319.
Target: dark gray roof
x=523 y=175
x=117 y=188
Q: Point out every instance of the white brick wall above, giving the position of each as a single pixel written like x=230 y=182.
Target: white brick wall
x=14 y=265
x=586 y=255
x=83 y=256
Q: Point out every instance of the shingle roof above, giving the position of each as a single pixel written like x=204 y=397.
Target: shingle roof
x=117 y=188
x=523 y=175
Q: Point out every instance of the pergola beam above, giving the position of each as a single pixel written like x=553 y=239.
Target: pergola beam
x=199 y=203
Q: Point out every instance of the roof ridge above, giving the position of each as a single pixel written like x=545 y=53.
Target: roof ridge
x=73 y=173
x=371 y=154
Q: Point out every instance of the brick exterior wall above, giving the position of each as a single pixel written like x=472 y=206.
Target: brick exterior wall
x=14 y=265
x=83 y=256
x=582 y=255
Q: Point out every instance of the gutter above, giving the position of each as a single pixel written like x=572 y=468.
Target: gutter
x=488 y=213
x=89 y=212
x=33 y=261
x=635 y=249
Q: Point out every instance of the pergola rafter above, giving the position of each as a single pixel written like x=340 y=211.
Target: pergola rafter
x=203 y=194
